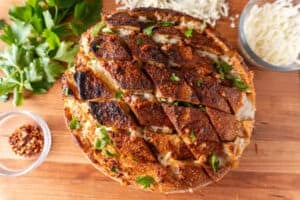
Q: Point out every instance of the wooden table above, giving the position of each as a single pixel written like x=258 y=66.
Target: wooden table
x=269 y=168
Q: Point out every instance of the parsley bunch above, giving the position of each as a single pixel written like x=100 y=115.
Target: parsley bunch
x=40 y=43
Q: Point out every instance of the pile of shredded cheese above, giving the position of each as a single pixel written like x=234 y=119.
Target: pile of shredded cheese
x=208 y=10
x=273 y=32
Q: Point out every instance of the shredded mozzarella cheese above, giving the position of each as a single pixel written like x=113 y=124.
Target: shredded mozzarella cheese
x=208 y=10
x=273 y=32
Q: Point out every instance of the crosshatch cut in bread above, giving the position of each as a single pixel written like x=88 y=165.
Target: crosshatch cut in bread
x=158 y=101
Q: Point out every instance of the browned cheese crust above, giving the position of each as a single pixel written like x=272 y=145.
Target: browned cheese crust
x=158 y=101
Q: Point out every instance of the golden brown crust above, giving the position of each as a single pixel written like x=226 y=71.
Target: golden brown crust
x=153 y=106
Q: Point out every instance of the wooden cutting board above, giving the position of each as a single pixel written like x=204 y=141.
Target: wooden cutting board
x=269 y=168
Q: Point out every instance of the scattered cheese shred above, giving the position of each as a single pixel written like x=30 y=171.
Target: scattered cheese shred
x=207 y=10
x=273 y=32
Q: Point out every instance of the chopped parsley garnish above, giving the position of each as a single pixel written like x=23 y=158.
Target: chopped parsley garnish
x=238 y=83
x=107 y=30
x=139 y=41
x=176 y=103
x=98 y=46
x=199 y=82
x=193 y=136
x=224 y=69
x=202 y=108
x=214 y=162
x=110 y=154
x=166 y=24
x=145 y=181
x=67 y=91
x=74 y=124
x=119 y=94
x=103 y=140
x=115 y=169
x=186 y=104
x=97 y=143
x=97 y=29
x=182 y=103
x=189 y=32
x=174 y=77
x=149 y=30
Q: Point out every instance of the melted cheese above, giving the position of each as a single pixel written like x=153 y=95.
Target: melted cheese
x=165 y=39
x=212 y=56
x=247 y=110
x=165 y=159
x=163 y=129
x=124 y=32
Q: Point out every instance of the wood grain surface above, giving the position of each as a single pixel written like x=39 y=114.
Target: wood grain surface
x=269 y=168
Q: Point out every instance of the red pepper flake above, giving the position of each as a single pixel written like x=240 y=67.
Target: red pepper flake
x=27 y=140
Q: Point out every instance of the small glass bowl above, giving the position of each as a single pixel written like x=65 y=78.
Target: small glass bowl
x=10 y=163
x=248 y=53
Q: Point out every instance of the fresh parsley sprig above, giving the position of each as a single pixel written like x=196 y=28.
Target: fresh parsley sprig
x=38 y=43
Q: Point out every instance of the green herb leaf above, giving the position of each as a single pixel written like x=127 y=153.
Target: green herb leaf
x=174 y=77
x=223 y=67
x=107 y=30
x=48 y=19
x=139 y=41
x=214 y=162
x=52 y=39
x=2 y=24
x=6 y=87
x=193 y=136
x=21 y=13
x=119 y=94
x=200 y=83
x=53 y=71
x=166 y=24
x=17 y=33
x=202 y=108
x=66 y=52
x=4 y=98
x=97 y=143
x=238 y=83
x=77 y=27
x=104 y=138
x=189 y=32
x=115 y=169
x=110 y=154
x=67 y=91
x=145 y=181
x=148 y=30
x=186 y=104
x=74 y=124
x=176 y=103
x=97 y=29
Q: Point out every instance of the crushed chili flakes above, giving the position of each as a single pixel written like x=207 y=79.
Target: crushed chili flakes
x=27 y=140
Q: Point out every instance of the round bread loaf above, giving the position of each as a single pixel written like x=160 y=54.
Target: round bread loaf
x=158 y=101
